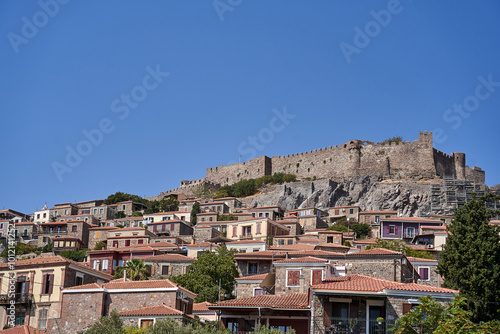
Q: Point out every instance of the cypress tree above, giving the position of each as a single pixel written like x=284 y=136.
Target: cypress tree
x=470 y=261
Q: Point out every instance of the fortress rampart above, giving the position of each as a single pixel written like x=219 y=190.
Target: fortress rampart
x=355 y=158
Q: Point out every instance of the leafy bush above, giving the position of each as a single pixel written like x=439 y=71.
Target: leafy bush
x=77 y=256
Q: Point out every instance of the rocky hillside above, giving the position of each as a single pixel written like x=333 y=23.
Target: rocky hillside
x=370 y=193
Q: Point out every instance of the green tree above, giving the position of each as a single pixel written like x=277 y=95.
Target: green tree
x=74 y=255
x=337 y=227
x=204 y=274
x=228 y=217
x=20 y=249
x=120 y=214
x=362 y=230
x=399 y=245
x=135 y=269
x=111 y=324
x=137 y=214
x=168 y=203
x=100 y=245
x=470 y=261
x=194 y=211
x=432 y=317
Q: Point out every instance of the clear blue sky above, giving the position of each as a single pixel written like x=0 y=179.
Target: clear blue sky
x=229 y=67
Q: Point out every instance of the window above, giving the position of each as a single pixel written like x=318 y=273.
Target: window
x=267 y=214
x=47 y=283
x=424 y=273
x=115 y=243
x=163 y=227
x=120 y=263
x=290 y=241
x=165 y=270
x=340 y=310
x=101 y=211
x=42 y=319
x=234 y=231
x=252 y=268
x=146 y=322
x=38 y=216
x=140 y=242
x=392 y=229
x=258 y=228
x=329 y=240
x=316 y=276
x=98 y=234
x=377 y=219
x=95 y=211
x=172 y=227
x=74 y=228
x=25 y=232
x=410 y=232
x=127 y=243
x=258 y=291
x=255 y=250
x=105 y=263
x=123 y=207
x=351 y=211
x=293 y=277
x=97 y=265
x=281 y=242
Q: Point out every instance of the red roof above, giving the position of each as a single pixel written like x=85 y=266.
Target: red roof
x=258 y=277
x=201 y=307
x=372 y=284
x=287 y=301
x=24 y=329
x=245 y=242
x=306 y=259
x=376 y=251
x=152 y=310
x=377 y=212
x=169 y=257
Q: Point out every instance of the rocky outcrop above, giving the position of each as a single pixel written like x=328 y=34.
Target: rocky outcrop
x=370 y=193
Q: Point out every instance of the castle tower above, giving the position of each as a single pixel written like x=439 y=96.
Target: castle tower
x=459 y=159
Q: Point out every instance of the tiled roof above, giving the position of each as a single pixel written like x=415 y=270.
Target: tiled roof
x=443 y=227
x=372 y=284
x=287 y=301
x=306 y=259
x=24 y=329
x=85 y=286
x=330 y=245
x=245 y=242
x=314 y=253
x=366 y=241
x=201 y=244
x=152 y=310
x=330 y=232
x=258 y=277
x=295 y=247
x=266 y=253
x=308 y=240
x=170 y=221
x=419 y=259
x=375 y=251
x=168 y=257
x=377 y=212
x=206 y=213
x=103 y=228
x=201 y=307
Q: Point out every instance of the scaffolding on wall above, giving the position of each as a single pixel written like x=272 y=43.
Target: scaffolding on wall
x=452 y=194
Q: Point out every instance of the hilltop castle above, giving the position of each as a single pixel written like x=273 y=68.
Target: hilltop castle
x=417 y=159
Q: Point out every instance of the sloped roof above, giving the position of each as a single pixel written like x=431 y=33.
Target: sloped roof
x=373 y=284
x=375 y=251
x=201 y=307
x=258 y=277
x=24 y=329
x=169 y=257
x=152 y=310
x=287 y=301
x=307 y=259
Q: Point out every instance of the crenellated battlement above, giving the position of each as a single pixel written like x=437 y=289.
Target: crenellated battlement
x=354 y=158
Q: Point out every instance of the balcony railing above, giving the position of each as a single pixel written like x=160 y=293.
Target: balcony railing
x=63 y=232
x=19 y=298
x=351 y=326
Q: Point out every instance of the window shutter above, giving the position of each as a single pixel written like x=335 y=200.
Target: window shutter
x=154 y=228
x=388 y=229
x=44 y=282
x=353 y=310
x=406 y=308
x=396 y=229
x=172 y=226
x=51 y=283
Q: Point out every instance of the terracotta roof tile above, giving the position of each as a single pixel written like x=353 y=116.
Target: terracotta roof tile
x=24 y=329
x=258 y=277
x=245 y=242
x=86 y=286
x=201 y=307
x=152 y=310
x=375 y=251
x=307 y=259
x=287 y=301
x=295 y=247
x=169 y=257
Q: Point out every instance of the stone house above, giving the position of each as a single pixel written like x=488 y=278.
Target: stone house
x=106 y=260
x=187 y=205
x=171 y=228
x=232 y=203
x=101 y=211
x=78 y=229
x=271 y=212
x=295 y=275
x=25 y=231
x=256 y=263
x=147 y=316
x=353 y=303
x=330 y=237
x=88 y=218
x=128 y=207
x=363 y=243
x=38 y=288
x=129 y=221
x=405 y=227
x=285 y=240
x=66 y=243
x=63 y=209
x=373 y=218
x=350 y=212
x=311 y=222
x=308 y=211
x=4 y=229
x=206 y=217
x=218 y=225
x=166 y=265
x=99 y=234
x=263 y=229
x=217 y=207
x=201 y=311
x=249 y=286
x=433 y=237
x=293 y=225
x=247 y=246
x=128 y=236
x=84 y=305
x=205 y=233
x=427 y=270
x=238 y=215
x=284 y=312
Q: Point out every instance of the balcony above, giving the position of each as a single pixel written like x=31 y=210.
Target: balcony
x=57 y=232
x=19 y=298
x=350 y=326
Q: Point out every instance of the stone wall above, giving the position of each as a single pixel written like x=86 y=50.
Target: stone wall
x=79 y=310
x=244 y=290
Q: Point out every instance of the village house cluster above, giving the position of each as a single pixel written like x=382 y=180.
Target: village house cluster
x=293 y=271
